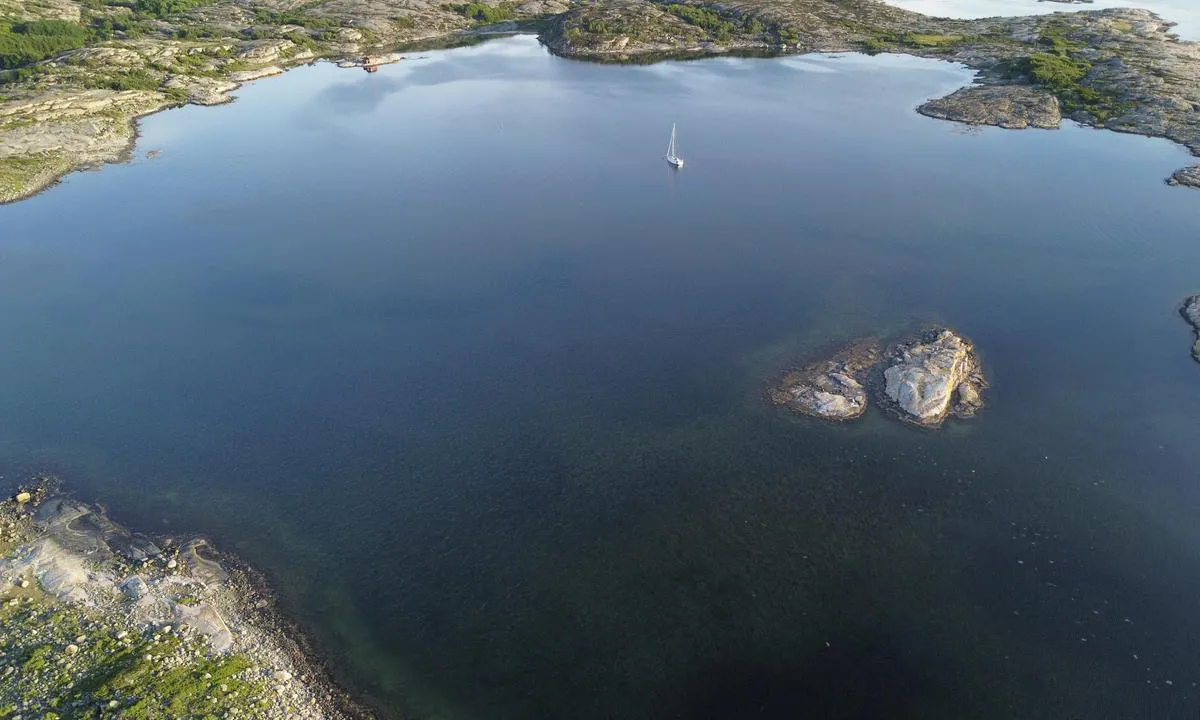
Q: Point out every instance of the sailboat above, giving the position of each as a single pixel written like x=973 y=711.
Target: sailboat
x=673 y=158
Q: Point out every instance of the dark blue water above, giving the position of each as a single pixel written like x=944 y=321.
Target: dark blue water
x=452 y=355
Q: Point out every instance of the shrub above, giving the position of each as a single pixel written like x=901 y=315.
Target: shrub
x=481 y=13
x=1057 y=72
x=717 y=26
x=163 y=8
x=30 y=42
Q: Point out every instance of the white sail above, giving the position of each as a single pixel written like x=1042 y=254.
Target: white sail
x=672 y=152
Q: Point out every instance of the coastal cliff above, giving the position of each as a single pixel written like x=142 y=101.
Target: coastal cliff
x=82 y=71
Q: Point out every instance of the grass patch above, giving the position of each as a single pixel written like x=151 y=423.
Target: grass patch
x=20 y=174
x=134 y=79
x=294 y=17
x=1061 y=70
x=932 y=41
x=139 y=677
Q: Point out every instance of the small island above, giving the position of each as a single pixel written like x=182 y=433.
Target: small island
x=76 y=74
x=920 y=380
x=99 y=622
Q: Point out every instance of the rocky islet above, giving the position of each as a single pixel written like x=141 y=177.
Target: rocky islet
x=921 y=380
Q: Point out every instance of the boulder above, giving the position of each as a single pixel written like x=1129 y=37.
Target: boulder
x=931 y=377
x=134 y=588
x=205 y=620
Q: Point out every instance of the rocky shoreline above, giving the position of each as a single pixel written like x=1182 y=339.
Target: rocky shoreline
x=921 y=380
x=1121 y=70
x=1115 y=69
x=1191 y=312
x=99 y=622
x=1188 y=176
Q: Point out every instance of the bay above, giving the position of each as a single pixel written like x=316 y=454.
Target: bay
x=452 y=355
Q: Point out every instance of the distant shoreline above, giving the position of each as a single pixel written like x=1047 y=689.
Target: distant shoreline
x=1095 y=67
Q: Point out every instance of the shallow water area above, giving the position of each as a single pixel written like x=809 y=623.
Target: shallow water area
x=1185 y=13
x=453 y=355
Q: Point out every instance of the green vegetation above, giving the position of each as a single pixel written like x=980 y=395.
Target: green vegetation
x=1058 y=72
x=931 y=41
x=164 y=8
x=717 y=27
x=200 y=32
x=30 y=42
x=1054 y=36
x=293 y=17
x=154 y=676
x=1062 y=71
x=133 y=79
x=484 y=14
x=883 y=41
x=20 y=173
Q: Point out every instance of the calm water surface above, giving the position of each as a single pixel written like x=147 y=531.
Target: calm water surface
x=453 y=355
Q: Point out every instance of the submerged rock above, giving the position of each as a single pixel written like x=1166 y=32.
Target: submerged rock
x=1008 y=106
x=832 y=389
x=1191 y=312
x=931 y=377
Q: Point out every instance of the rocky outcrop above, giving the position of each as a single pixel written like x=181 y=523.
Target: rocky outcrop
x=832 y=389
x=1191 y=312
x=1188 y=177
x=931 y=377
x=921 y=380
x=1008 y=106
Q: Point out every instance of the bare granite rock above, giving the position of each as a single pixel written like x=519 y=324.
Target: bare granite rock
x=1191 y=312
x=1188 y=177
x=205 y=620
x=932 y=377
x=1009 y=106
x=831 y=389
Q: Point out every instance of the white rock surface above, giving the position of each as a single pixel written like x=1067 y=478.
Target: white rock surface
x=929 y=378
x=832 y=389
